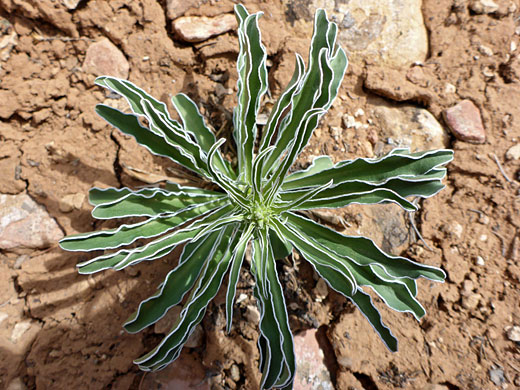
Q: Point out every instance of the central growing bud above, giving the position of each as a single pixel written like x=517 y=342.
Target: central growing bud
x=260 y=214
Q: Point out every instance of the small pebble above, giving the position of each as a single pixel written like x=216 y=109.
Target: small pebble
x=234 y=373
x=480 y=261
x=513 y=333
x=513 y=152
x=252 y=314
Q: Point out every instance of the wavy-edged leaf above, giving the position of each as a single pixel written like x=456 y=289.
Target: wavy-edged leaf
x=364 y=251
x=319 y=163
x=176 y=284
x=394 y=292
x=317 y=90
x=156 y=144
x=153 y=250
x=363 y=301
x=127 y=234
x=252 y=85
x=135 y=205
x=205 y=290
x=194 y=123
x=110 y=195
x=236 y=265
x=278 y=361
x=374 y=196
x=406 y=166
x=322 y=259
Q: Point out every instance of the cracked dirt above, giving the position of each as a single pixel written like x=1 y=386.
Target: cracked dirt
x=60 y=330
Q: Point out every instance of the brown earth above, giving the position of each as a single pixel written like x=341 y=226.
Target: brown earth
x=53 y=146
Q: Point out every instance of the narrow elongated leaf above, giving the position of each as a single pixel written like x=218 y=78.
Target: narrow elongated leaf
x=127 y=234
x=252 y=85
x=205 y=290
x=194 y=123
x=236 y=264
x=177 y=283
x=367 y=308
x=129 y=124
x=153 y=250
x=161 y=204
x=278 y=362
x=321 y=258
x=363 y=251
x=106 y=196
x=377 y=171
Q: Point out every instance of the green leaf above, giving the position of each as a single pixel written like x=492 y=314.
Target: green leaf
x=204 y=291
x=364 y=252
x=236 y=264
x=252 y=85
x=378 y=171
x=135 y=205
x=129 y=124
x=369 y=311
x=194 y=124
x=322 y=259
x=128 y=234
x=153 y=250
x=318 y=164
x=177 y=283
x=277 y=361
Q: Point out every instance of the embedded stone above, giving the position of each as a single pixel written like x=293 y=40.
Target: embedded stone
x=26 y=224
x=465 y=122
x=200 y=28
x=104 y=58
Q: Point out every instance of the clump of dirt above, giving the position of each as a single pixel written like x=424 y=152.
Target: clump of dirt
x=61 y=330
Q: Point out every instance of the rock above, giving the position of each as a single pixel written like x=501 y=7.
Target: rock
x=200 y=28
x=7 y=39
x=513 y=333
x=252 y=314
x=16 y=384
x=513 y=152
x=321 y=290
x=176 y=8
x=465 y=122
x=471 y=301
x=20 y=260
x=72 y=201
x=409 y=126
x=104 y=58
x=311 y=372
x=19 y=330
x=166 y=323
x=483 y=6
x=496 y=375
x=196 y=339
x=385 y=224
x=24 y=223
x=390 y=33
x=234 y=373
x=71 y=4
x=9 y=103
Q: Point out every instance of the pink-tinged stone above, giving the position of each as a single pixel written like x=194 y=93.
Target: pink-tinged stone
x=200 y=28
x=26 y=224
x=104 y=58
x=176 y=8
x=465 y=122
x=311 y=372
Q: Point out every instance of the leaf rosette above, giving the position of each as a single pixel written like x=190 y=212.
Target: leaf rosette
x=257 y=205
